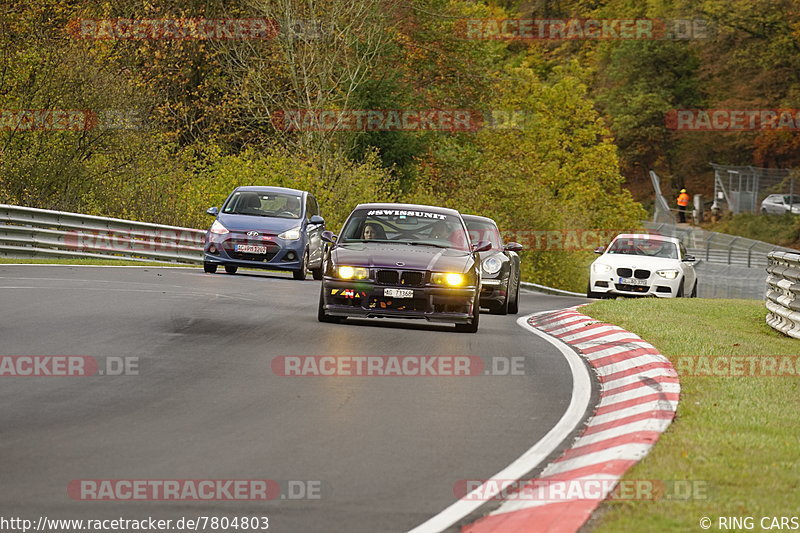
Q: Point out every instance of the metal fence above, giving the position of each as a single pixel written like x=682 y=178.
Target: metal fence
x=742 y=188
x=728 y=266
x=26 y=232
x=783 y=293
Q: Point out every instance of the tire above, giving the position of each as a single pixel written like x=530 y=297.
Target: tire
x=694 y=290
x=472 y=325
x=513 y=305
x=316 y=273
x=322 y=316
x=680 y=290
x=301 y=274
x=209 y=268
x=231 y=269
x=592 y=294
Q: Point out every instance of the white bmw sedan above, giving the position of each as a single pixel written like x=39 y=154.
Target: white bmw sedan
x=643 y=265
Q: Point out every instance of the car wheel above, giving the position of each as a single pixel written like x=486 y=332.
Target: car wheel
x=502 y=309
x=472 y=325
x=301 y=274
x=763 y=211
x=513 y=305
x=316 y=273
x=209 y=268
x=592 y=294
x=694 y=290
x=231 y=269
x=322 y=316
x=680 y=290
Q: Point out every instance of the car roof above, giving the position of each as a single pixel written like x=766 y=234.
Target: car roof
x=478 y=217
x=651 y=236
x=261 y=188
x=410 y=207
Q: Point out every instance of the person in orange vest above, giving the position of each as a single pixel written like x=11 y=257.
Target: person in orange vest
x=683 y=203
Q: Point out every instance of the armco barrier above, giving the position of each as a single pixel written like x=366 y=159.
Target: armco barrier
x=783 y=293
x=26 y=232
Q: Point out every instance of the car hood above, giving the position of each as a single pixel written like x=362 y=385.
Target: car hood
x=271 y=225
x=386 y=255
x=638 y=261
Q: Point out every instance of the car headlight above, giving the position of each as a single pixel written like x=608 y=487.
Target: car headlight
x=448 y=278
x=668 y=274
x=600 y=268
x=492 y=265
x=290 y=234
x=348 y=272
x=218 y=228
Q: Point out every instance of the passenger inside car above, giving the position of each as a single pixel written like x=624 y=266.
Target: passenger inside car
x=373 y=232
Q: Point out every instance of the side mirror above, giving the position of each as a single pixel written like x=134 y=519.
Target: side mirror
x=689 y=258
x=316 y=219
x=482 y=246
x=599 y=250
x=513 y=247
x=213 y=211
x=328 y=236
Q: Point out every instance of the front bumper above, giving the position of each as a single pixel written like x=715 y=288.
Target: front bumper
x=281 y=254
x=655 y=286
x=494 y=292
x=366 y=299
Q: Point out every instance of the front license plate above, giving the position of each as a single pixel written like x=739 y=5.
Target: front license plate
x=633 y=281
x=398 y=293
x=250 y=249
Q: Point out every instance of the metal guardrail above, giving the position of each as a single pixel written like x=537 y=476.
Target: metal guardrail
x=783 y=293
x=26 y=232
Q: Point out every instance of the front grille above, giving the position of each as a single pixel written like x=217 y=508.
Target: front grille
x=387 y=277
x=641 y=274
x=252 y=257
x=624 y=272
x=412 y=279
x=630 y=288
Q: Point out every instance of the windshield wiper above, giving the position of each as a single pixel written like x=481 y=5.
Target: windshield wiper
x=413 y=243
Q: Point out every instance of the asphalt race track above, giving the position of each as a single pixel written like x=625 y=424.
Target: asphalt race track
x=206 y=403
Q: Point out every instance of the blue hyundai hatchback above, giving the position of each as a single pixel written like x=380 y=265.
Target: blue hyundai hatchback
x=273 y=228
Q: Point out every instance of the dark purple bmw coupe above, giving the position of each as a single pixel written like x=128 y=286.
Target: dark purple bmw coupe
x=403 y=261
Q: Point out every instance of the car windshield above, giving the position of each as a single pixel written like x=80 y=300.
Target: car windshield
x=414 y=227
x=264 y=204
x=643 y=246
x=482 y=230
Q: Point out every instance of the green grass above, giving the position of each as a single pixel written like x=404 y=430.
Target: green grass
x=783 y=230
x=94 y=262
x=739 y=435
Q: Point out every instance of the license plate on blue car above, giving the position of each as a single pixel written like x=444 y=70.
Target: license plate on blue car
x=250 y=249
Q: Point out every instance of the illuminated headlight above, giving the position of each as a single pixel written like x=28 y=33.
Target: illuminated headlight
x=448 y=278
x=218 y=228
x=348 y=272
x=290 y=234
x=492 y=265
x=600 y=268
x=667 y=274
